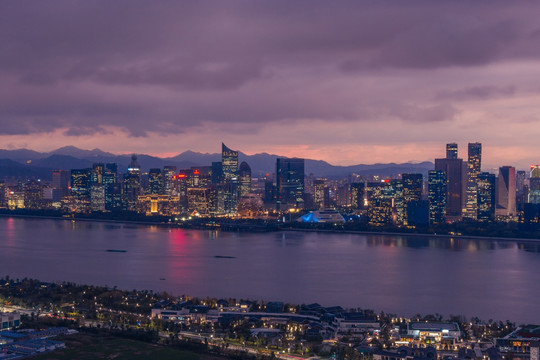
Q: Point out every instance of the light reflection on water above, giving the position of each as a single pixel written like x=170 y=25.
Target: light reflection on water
x=405 y=275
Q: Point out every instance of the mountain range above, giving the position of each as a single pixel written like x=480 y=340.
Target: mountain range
x=29 y=163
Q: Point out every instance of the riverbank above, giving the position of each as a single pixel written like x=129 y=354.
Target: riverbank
x=271 y=226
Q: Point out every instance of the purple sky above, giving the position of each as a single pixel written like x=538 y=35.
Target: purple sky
x=347 y=82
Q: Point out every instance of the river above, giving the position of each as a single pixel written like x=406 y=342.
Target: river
x=405 y=275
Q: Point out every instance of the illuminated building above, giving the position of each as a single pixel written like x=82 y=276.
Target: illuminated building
x=522 y=189
x=182 y=186
x=343 y=196
x=398 y=201
x=169 y=181
x=132 y=185
x=60 y=184
x=534 y=185
x=156 y=204
x=112 y=190
x=80 y=188
x=244 y=178
x=412 y=190
x=322 y=216
x=452 y=151
x=155 y=182
x=217 y=172
x=455 y=180
x=357 y=196
x=319 y=191
x=437 y=196
x=486 y=196
x=380 y=196
x=289 y=183
x=269 y=191
x=229 y=162
x=473 y=169
x=250 y=206
x=3 y=197
x=506 y=192
x=33 y=194
x=97 y=173
x=97 y=197
x=198 y=201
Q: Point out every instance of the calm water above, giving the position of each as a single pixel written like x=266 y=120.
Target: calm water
x=404 y=275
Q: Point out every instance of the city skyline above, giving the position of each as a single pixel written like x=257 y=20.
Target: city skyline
x=372 y=83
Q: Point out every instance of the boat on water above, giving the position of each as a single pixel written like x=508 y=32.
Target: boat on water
x=116 y=250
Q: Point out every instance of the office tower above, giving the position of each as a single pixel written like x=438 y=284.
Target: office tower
x=97 y=173
x=452 y=151
x=60 y=184
x=522 y=189
x=473 y=169
x=33 y=194
x=169 y=181
x=289 y=182
x=398 y=201
x=217 y=172
x=182 y=185
x=3 y=197
x=412 y=191
x=81 y=180
x=112 y=190
x=486 y=196
x=132 y=185
x=318 y=193
x=437 y=193
x=534 y=185
x=97 y=197
x=506 y=192
x=199 y=201
x=380 y=197
x=357 y=196
x=229 y=162
x=455 y=181
x=418 y=213
x=155 y=182
x=269 y=191
x=244 y=178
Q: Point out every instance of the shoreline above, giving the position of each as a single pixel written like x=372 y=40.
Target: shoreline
x=353 y=232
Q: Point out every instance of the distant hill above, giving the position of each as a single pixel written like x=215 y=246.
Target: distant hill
x=29 y=163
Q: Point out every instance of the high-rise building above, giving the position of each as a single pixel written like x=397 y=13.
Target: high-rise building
x=97 y=173
x=81 y=181
x=112 y=190
x=506 y=192
x=473 y=169
x=522 y=189
x=217 y=172
x=289 y=182
x=437 y=196
x=455 y=182
x=318 y=193
x=380 y=196
x=33 y=194
x=357 y=196
x=412 y=191
x=452 y=151
x=155 y=182
x=3 y=197
x=244 y=178
x=486 y=196
x=169 y=181
x=132 y=185
x=534 y=185
x=229 y=162
x=60 y=184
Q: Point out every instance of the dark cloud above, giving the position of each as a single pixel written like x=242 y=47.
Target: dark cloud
x=477 y=93
x=170 y=66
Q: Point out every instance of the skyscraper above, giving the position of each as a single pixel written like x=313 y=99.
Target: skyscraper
x=169 y=180
x=437 y=196
x=455 y=180
x=357 y=196
x=60 y=184
x=534 y=185
x=473 y=169
x=506 y=192
x=3 y=199
x=486 y=196
x=244 y=178
x=452 y=151
x=412 y=191
x=155 y=182
x=229 y=162
x=318 y=193
x=290 y=182
x=132 y=185
x=80 y=188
